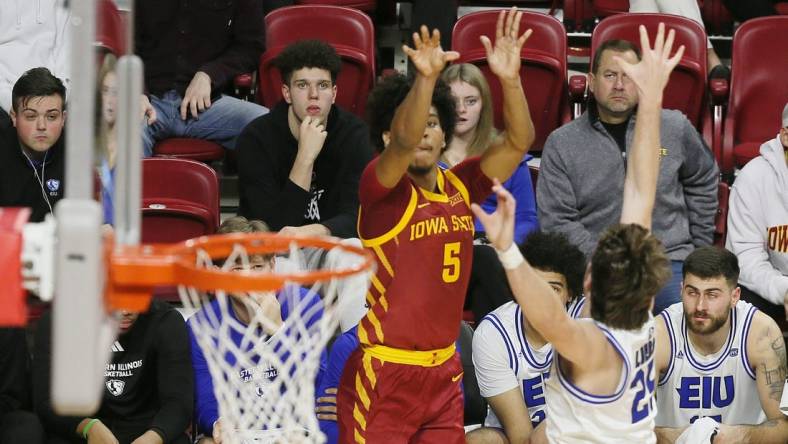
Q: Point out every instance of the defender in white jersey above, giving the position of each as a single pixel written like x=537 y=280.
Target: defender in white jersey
x=511 y=359
x=719 y=357
x=602 y=380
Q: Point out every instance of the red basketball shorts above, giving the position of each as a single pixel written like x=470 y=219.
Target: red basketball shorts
x=381 y=401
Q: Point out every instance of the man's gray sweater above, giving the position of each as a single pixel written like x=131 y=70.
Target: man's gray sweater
x=581 y=184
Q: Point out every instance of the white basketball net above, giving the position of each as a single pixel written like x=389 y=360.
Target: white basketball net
x=263 y=372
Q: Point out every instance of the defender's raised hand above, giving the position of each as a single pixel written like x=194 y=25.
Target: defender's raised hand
x=651 y=74
x=427 y=55
x=499 y=225
x=504 y=57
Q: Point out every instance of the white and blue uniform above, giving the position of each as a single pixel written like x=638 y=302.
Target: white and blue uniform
x=720 y=385
x=504 y=359
x=627 y=415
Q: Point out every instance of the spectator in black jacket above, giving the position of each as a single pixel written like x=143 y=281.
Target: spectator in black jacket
x=17 y=422
x=149 y=384
x=192 y=51
x=299 y=166
x=32 y=156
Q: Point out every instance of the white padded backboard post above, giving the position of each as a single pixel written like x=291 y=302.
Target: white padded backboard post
x=82 y=333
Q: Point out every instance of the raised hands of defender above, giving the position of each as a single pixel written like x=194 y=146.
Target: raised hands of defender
x=499 y=225
x=651 y=74
x=427 y=55
x=504 y=57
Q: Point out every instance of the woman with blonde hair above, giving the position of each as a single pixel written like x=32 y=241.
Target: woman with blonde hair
x=474 y=133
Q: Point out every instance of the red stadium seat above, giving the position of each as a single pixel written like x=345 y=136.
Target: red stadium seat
x=716 y=17
x=349 y=31
x=686 y=90
x=188 y=148
x=110 y=29
x=363 y=5
x=180 y=200
x=543 y=70
x=758 y=90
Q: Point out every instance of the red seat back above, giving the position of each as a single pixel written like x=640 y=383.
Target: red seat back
x=110 y=29
x=686 y=90
x=363 y=5
x=758 y=88
x=349 y=31
x=180 y=200
x=543 y=70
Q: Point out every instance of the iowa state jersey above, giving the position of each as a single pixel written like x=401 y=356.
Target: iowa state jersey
x=504 y=359
x=626 y=416
x=422 y=241
x=721 y=385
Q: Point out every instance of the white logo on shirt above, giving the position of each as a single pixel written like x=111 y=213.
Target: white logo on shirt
x=115 y=386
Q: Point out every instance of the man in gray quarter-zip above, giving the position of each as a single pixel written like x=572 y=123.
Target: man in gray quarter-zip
x=581 y=182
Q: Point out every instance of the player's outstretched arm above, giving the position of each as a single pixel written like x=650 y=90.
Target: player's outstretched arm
x=650 y=76
x=766 y=354
x=580 y=342
x=506 y=152
x=410 y=119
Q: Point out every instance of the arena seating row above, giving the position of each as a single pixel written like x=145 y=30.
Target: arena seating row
x=734 y=127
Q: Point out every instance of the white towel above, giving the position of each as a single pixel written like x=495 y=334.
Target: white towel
x=699 y=432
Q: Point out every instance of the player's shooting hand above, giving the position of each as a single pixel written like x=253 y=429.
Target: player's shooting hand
x=197 y=97
x=651 y=74
x=101 y=434
x=427 y=55
x=327 y=405
x=504 y=57
x=311 y=137
x=499 y=225
x=147 y=110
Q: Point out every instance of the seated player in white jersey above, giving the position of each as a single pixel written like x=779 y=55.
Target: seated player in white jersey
x=601 y=383
x=719 y=357
x=511 y=358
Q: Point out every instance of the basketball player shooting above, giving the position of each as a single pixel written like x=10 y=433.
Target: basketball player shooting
x=601 y=385
x=403 y=383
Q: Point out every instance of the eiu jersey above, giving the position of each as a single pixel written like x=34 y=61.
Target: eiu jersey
x=627 y=415
x=721 y=385
x=423 y=243
x=504 y=359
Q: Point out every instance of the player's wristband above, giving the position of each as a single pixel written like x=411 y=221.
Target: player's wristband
x=88 y=426
x=511 y=258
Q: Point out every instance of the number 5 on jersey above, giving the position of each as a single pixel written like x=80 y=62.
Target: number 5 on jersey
x=451 y=262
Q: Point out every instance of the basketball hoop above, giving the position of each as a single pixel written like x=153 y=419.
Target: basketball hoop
x=263 y=382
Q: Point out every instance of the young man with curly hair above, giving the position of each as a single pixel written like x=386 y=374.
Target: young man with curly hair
x=299 y=165
x=512 y=360
x=403 y=383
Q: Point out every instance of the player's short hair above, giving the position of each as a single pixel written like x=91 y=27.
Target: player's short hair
x=628 y=268
x=240 y=224
x=554 y=253
x=36 y=82
x=712 y=262
x=613 y=45
x=388 y=95
x=307 y=54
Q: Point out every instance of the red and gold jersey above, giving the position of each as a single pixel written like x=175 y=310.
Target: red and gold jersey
x=423 y=243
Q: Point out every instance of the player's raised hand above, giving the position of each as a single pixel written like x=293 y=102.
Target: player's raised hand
x=499 y=225
x=651 y=74
x=504 y=57
x=427 y=55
